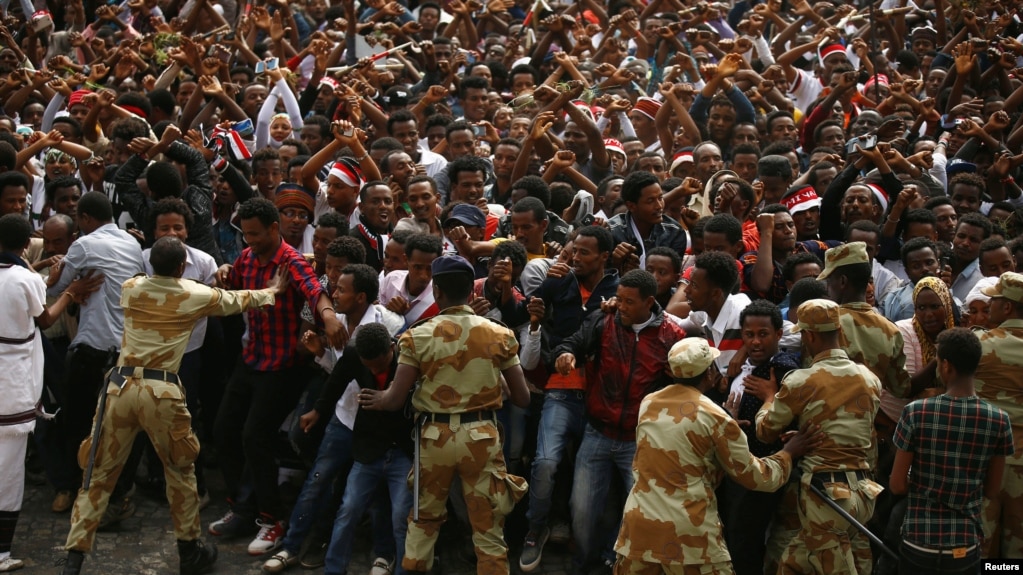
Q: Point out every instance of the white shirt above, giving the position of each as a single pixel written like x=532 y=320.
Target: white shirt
x=726 y=323
x=346 y=407
x=395 y=284
x=21 y=364
x=805 y=89
x=201 y=267
x=118 y=256
x=431 y=161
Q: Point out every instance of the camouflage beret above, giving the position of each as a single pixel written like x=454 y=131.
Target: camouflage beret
x=817 y=315
x=691 y=357
x=1009 y=286
x=844 y=255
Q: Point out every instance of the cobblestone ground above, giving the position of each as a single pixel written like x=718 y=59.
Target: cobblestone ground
x=144 y=544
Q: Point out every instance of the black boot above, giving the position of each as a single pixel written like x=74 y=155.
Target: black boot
x=73 y=566
x=196 y=557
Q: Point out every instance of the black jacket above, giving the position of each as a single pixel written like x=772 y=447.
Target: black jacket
x=375 y=431
x=198 y=195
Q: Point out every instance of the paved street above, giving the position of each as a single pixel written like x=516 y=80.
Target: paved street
x=144 y=544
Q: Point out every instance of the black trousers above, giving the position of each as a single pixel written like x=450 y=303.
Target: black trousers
x=254 y=406
x=747 y=515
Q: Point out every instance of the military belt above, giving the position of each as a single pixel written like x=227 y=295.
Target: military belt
x=468 y=417
x=121 y=374
x=839 y=476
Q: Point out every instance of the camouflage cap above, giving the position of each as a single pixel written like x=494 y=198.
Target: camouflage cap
x=817 y=315
x=844 y=255
x=1009 y=286
x=691 y=357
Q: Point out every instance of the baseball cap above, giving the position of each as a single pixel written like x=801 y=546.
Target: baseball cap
x=958 y=166
x=844 y=255
x=466 y=215
x=690 y=357
x=1009 y=286
x=817 y=315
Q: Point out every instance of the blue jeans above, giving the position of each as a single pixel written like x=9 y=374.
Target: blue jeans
x=513 y=424
x=363 y=482
x=598 y=457
x=334 y=455
x=562 y=420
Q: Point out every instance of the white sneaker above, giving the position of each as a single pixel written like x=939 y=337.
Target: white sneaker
x=382 y=566
x=279 y=562
x=271 y=536
x=10 y=564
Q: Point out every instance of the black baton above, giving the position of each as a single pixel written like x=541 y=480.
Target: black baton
x=852 y=521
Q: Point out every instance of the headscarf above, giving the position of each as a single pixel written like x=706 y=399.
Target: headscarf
x=927 y=348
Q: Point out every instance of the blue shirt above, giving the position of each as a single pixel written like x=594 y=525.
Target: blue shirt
x=118 y=256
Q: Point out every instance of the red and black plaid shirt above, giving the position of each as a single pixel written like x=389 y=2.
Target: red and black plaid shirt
x=273 y=331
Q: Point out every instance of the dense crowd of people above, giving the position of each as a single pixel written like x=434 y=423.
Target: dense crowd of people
x=695 y=286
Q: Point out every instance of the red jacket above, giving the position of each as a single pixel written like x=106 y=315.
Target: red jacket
x=626 y=366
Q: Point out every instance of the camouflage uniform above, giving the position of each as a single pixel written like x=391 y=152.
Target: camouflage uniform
x=159 y=314
x=999 y=381
x=460 y=357
x=843 y=398
x=683 y=443
x=874 y=342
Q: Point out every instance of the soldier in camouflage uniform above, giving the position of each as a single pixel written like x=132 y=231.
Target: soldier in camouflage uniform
x=867 y=336
x=871 y=340
x=683 y=443
x=842 y=397
x=458 y=358
x=999 y=381
x=143 y=393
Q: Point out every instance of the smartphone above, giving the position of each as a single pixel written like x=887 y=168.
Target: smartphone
x=261 y=67
x=480 y=131
x=349 y=132
x=588 y=220
x=271 y=64
x=244 y=128
x=869 y=142
x=130 y=226
x=41 y=20
x=950 y=123
x=222 y=53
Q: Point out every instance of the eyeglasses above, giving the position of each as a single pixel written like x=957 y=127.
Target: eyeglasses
x=296 y=215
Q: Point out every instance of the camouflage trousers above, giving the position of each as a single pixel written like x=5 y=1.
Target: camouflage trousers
x=159 y=409
x=1003 y=517
x=827 y=543
x=472 y=452
x=626 y=566
x=784 y=527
